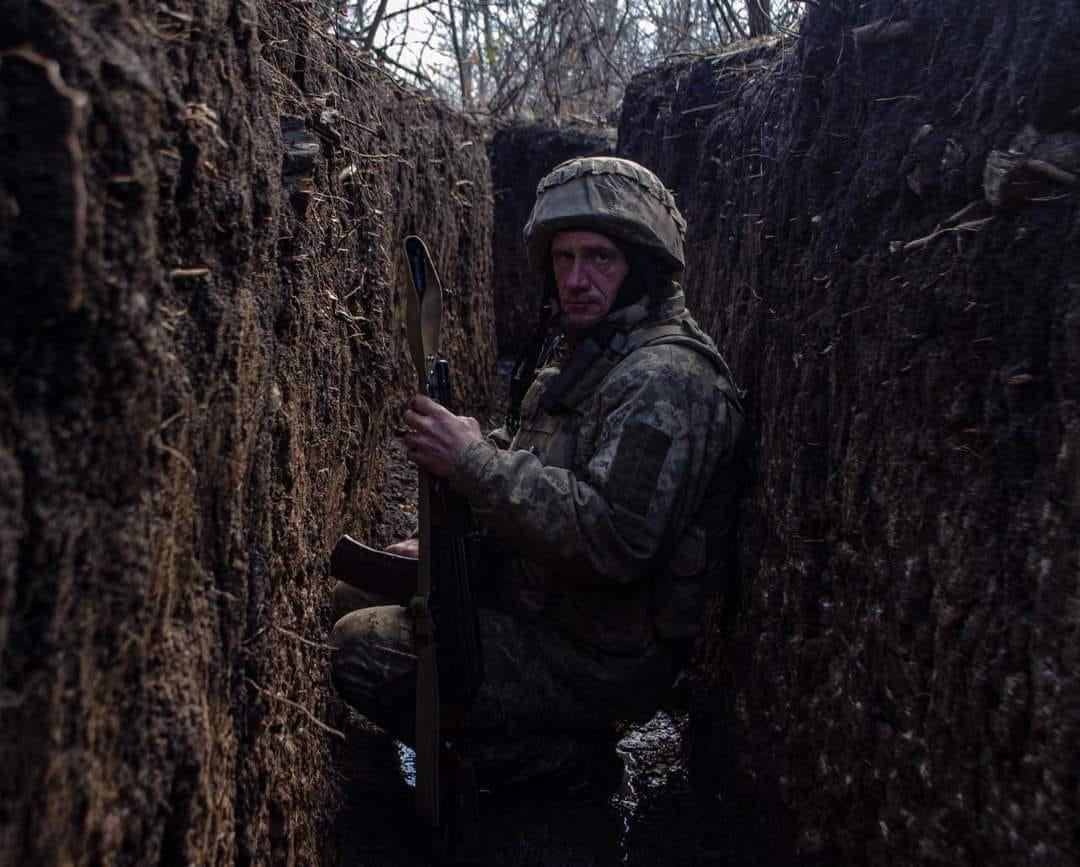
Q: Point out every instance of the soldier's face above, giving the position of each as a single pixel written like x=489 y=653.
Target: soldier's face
x=589 y=268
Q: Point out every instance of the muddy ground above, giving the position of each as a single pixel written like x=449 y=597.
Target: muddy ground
x=653 y=819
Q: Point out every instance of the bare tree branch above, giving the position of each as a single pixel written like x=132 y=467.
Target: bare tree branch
x=373 y=28
x=553 y=58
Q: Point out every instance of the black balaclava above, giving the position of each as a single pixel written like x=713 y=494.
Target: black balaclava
x=645 y=277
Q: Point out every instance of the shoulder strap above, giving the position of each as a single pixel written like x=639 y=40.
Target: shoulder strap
x=679 y=334
x=595 y=357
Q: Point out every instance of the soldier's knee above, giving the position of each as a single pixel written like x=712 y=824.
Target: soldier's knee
x=388 y=626
x=373 y=667
x=354 y=671
x=340 y=634
x=345 y=598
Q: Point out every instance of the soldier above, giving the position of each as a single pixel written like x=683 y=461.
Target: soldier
x=614 y=498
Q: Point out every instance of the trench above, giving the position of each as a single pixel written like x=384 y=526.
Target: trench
x=201 y=365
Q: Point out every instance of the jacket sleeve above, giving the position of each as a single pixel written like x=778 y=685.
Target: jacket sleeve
x=499 y=437
x=653 y=454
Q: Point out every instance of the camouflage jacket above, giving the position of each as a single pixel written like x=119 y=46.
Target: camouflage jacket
x=616 y=505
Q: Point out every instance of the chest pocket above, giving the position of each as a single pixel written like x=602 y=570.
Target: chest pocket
x=533 y=418
x=551 y=438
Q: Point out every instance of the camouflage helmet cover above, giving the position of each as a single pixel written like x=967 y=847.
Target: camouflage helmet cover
x=610 y=195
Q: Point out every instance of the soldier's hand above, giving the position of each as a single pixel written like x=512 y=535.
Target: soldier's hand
x=438 y=436
x=405 y=548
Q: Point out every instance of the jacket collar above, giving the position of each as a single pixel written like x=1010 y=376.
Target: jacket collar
x=627 y=318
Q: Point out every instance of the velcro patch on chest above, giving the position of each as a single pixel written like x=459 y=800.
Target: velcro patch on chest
x=637 y=465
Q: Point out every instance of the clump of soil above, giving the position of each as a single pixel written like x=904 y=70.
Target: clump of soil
x=884 y=236
x=202 y=356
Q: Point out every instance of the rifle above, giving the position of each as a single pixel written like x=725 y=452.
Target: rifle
x=449 y=667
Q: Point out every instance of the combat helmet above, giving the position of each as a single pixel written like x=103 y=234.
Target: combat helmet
x=611 y=195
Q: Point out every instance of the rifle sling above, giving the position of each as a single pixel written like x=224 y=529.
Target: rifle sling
x=526 y=365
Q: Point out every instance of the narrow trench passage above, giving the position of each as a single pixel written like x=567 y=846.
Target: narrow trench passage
x=654 y=817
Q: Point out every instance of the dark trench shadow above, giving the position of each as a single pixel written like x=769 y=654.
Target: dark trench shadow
x=654 y=819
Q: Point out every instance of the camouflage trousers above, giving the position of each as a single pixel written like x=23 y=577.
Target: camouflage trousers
x=524 y=724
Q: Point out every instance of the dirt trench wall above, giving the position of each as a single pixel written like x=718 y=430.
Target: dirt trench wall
x=892 y=677
x=202 y=355
x=520 y=156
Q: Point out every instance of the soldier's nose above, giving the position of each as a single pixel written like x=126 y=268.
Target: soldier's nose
x=575 y=277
